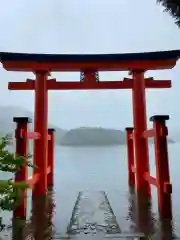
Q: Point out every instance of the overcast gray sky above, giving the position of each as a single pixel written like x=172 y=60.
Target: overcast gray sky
x=90 y=26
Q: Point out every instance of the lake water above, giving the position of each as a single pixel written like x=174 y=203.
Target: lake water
x=105 y=169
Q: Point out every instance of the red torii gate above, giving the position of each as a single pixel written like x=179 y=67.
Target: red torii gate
x=89 y=65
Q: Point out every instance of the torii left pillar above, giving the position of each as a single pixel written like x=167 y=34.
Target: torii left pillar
x=140 y=125
x=41 y=126
x=40 y=87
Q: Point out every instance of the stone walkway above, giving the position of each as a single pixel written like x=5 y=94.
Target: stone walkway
x=93 y=214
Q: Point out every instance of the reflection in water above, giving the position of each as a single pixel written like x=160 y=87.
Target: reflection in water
x=18 y=226
x=166 y=230
x=40 y=226
x=144 y=220
x=131 y=209
x=42 y=217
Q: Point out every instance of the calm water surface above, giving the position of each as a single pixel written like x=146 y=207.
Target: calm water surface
x=105 y=169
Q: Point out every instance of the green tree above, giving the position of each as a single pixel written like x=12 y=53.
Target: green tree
x=173 y=7
x=10 y=191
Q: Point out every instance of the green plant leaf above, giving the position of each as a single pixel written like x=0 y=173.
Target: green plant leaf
x=10 y=191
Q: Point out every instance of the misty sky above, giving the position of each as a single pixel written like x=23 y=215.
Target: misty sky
x=90 y=26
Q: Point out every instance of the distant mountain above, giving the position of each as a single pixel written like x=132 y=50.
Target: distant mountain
x=88 y=136
x=7 y=125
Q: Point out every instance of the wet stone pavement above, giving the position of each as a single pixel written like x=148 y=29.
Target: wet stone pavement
x=93 y=218
x=93 y=214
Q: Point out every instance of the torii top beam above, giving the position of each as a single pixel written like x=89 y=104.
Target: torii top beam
x=80 y=62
